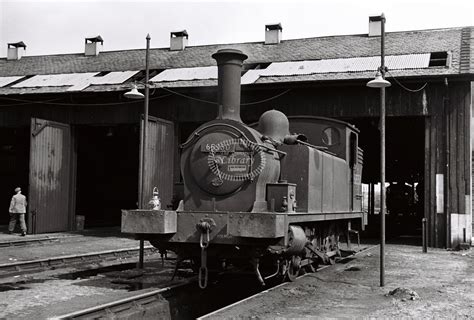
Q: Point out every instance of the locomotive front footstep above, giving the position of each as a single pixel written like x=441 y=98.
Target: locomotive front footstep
x=260 y=196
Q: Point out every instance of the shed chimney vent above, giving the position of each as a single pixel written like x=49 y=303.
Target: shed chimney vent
x=375 y=26
x=178 y=40
x=92 y=46
x=14 y=52
x=273 y=33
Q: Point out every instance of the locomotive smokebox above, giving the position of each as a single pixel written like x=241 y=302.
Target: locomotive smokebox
x=229 y=65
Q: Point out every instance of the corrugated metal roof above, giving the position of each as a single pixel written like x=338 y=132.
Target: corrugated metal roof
x=200 y=73
x=251 y=76
x=76 y=81
x=410 y=61
x=7 y=80
x=293 y=68
x=55 y=80
x=114 y=77
x=183 y=74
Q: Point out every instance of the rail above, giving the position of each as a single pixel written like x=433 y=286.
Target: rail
x=134 y=307
x=25 y=241
x=214 y=313
x=32 y=265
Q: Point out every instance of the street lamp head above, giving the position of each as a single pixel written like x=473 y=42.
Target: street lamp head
x=378 y=82
x=134 y=93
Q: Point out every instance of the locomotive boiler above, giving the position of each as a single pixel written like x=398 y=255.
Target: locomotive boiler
x=259 y=196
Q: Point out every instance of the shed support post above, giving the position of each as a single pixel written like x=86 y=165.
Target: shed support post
x=141 y=254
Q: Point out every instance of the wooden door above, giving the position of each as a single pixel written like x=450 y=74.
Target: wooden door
x=159 y=161
x=50 y=197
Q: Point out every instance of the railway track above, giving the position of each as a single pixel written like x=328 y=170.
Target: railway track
x=7 y=269
x=214 y=314
x=182 y=301
x=26 y=241
x=149 y=305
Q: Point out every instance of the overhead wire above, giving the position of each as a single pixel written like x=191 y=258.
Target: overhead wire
x=73 y=104
x=189 y=97
x=215 y=103
x=25 y=103
x=265 y=100
x=171 y=92
x=408 y=89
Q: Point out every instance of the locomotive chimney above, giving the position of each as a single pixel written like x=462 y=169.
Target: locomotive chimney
x=229 y=66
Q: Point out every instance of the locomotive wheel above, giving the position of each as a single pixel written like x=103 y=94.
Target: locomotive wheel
x=294 y=266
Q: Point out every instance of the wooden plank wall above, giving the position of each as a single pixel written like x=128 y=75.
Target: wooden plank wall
x=90 y=109
x=341 y=101
x=338 y=102
x=448 y=147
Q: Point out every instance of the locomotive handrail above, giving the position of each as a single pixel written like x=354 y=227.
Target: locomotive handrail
x=183 y=145
x=242 y=135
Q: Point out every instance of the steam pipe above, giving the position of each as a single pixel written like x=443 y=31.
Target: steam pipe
x=229 y=66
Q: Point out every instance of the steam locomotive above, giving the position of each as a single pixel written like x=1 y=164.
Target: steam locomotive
x=259 y=196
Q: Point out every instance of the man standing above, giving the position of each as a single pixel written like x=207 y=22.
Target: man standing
x=17 y=211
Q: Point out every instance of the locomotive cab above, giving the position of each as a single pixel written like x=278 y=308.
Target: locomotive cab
x=337 y=163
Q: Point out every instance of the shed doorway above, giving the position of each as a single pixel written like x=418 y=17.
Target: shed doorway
x=107 y=172
x=404 y=171
x=14 y=166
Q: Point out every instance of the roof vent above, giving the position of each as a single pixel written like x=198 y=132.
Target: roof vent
x=375 y=26
x=92 y=46
x=14 y=52
x=273 y=33
x=178 y=40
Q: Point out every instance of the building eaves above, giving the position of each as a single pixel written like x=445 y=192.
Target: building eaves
x=415 y=73
x=340 y=76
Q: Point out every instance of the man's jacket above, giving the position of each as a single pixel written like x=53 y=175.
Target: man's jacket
x=18 y=204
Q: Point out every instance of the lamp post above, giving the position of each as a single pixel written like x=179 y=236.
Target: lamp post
x=145 y=125
x=380 y=82
x=135 y=94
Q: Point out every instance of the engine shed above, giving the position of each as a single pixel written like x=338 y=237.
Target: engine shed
x=70 y=138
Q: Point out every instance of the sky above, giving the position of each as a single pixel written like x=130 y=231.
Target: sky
x=55 y=27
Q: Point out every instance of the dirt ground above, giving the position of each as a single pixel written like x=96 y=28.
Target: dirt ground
x=434 y=285
x=44 y=294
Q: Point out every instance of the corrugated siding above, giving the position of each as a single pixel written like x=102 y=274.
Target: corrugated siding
x=181 y=74
x=7 y=80
x=400 y=62
x=159 y=161
x=76 y=81
x=49 y=176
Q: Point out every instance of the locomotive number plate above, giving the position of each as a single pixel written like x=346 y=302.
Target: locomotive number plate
x=217 y=147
